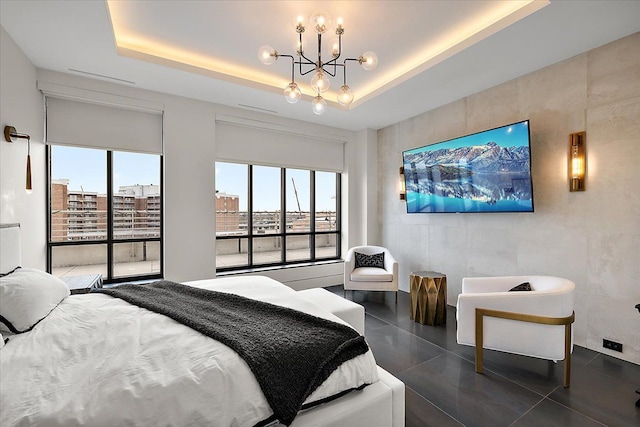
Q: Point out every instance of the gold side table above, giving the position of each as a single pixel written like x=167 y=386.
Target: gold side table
x=428 y=295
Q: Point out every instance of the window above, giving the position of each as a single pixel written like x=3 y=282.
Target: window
x=105 y=213
x=251 y=230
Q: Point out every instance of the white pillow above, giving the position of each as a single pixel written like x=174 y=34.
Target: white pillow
x=27 y=296
x=1 y=341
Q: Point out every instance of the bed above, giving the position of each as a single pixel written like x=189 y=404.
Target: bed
x=95 y=360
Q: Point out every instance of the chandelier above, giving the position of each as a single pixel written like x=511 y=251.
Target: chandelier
x=320 y=69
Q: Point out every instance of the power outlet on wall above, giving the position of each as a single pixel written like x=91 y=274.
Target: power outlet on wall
x=612 y=345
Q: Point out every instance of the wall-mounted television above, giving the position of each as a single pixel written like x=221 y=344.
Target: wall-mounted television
x=488 y=171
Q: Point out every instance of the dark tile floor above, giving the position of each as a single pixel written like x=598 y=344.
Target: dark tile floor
x=442 y=388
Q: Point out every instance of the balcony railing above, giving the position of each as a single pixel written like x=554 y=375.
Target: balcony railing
x=92 y=225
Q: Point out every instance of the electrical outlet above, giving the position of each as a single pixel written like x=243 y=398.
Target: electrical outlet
x=612 y=345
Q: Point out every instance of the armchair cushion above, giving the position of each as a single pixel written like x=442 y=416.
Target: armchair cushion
x=374 y=260
x=526 y=286
x=371 y=274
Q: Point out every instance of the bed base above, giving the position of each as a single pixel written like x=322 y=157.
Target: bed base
x=378 y=405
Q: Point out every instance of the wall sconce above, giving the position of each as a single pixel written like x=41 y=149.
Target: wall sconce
x=9 y=134
x=577 y=161
x=403 y=192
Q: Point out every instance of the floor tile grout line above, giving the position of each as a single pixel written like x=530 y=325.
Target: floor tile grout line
x=419 y=364
x=436 y=406
x=527 y=411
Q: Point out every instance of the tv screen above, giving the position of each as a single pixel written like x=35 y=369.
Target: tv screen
x=488 y=171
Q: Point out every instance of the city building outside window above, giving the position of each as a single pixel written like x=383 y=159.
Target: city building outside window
x=105 y=213
x=251 y=229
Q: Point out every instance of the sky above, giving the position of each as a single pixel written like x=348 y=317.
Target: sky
x=87 y=168
x=514 y=135
x=232 y=178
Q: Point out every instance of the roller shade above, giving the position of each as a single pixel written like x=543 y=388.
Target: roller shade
x=246 y=144
x=92 y=125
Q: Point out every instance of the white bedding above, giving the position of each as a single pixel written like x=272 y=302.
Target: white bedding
x=99 y=361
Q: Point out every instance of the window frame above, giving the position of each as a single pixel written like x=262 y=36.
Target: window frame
x=284 y=233
x=110 y=241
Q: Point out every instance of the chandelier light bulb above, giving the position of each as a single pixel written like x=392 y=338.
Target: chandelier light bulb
x=292 y=93
x=319 y=105
x=267 y=55
x=319 y=82
x=319 y=22
x=345 y=96
x=369 y=60
x=298 y=23
x=335 y=47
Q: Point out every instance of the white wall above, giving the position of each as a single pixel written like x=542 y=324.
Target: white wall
x=21 y=107
x=591 y=237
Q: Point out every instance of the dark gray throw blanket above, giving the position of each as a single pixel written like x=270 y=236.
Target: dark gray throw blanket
x=290 y=352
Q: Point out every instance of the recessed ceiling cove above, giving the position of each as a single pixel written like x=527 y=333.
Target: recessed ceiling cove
x=198 y=37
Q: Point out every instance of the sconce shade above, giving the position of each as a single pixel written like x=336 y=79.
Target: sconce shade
x=28 y=183
x=577 y=161
x=9 y=134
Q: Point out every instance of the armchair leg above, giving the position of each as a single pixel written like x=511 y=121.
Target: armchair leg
x=396 y=297
x=567 y=355
x=566 y=321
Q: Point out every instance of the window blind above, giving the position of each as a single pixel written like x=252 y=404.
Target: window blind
x=247 y=144
x=85 y=124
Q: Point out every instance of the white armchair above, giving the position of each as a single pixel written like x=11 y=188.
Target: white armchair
x=533 y=323
x=370 y=278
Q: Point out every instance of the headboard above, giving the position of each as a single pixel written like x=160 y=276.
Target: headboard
x=10 y=257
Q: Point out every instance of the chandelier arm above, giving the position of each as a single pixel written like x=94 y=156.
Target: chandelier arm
x=293 y=67
x=320 y=50
x=329 y=72
x=344 y=64
x=348 y=59
x=344 y=74
x=339 y=47
x=306 y=59
x=332 y=63
x=308 y=71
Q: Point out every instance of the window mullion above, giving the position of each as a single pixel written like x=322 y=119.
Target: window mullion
x=312 y=216
x=48 y=212
x=283 y=214
x=109 y=215
x=250 y=217
x=338 y=215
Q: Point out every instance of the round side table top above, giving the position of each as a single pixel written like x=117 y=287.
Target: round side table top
x=427 y=274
